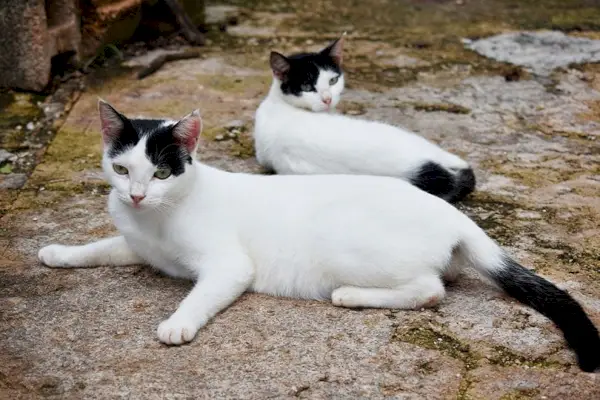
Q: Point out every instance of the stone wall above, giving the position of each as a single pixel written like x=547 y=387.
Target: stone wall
x=34 y=31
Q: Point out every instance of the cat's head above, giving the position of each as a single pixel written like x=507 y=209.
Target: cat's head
x=148 y=161
x=312 y=81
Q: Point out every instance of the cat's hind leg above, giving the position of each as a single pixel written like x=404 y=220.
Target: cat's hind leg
x=456 y=266
x=112 y=251
x=424 y=291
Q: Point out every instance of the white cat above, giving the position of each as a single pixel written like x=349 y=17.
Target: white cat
x=358 y=241
x=293 y=136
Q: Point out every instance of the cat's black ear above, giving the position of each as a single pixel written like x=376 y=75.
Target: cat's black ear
x=280 y=65
x=111 y=121
x=187 y=131
x=335 y=50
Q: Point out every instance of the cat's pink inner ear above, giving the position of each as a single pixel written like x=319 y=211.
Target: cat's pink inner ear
x=280 y=65
x=187 y=131
x=336 y=50
x=110 y=121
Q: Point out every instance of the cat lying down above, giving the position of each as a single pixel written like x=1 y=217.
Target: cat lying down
x=295 y=133
x=357 y=241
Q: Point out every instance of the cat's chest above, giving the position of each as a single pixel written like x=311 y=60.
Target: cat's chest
x=152 y=242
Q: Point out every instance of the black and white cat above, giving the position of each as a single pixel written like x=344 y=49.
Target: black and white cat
x=358 y=241
x=294 y=133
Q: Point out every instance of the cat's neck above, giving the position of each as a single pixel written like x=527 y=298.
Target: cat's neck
x=275 y=96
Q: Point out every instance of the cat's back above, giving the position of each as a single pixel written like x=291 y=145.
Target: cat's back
x=297 y=194
x=282 y=127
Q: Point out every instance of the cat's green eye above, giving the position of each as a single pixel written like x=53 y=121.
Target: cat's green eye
x=163 y=173
x=333 y=80
x=119 y=169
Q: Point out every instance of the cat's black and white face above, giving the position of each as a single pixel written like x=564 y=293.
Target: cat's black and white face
x=313 y=81
x=145 y=160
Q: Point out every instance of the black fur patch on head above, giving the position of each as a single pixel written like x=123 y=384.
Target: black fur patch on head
x=128 y=137
x=164 y=150
x=161 y=146
x=304 y=71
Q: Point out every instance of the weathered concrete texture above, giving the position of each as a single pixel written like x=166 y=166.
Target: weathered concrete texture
x=90 y=333
x=540 y=52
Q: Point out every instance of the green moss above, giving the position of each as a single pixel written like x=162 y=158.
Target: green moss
x=494 y=214
x=352 y=108
x=498 y=217
x=212 y=133
x=80 y=149
x=105 y=80
x=234 y=84
x=431 y=31
x=540 y=175
x=373 y=77
x=585 y=18
x=20 y=105
x=32 y=198
x=445 y=107
x=573 y=261
x=463 y=388
x=425 y=367
x=18 y=109
x=7 y=198
x=504 y=357
x=521 y=394
x=432 y=339
x=243 y=146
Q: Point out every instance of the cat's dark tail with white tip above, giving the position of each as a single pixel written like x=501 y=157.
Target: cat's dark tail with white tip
x=439 y=181
x=536 y=292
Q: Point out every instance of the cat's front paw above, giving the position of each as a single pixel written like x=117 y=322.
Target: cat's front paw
x=177 y=330
x=54 y=255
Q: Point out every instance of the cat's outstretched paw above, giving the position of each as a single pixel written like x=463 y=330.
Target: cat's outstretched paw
x=54 y=255
x=177 y=330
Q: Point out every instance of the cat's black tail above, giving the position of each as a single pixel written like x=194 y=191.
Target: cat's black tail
x=477 y=249
x=438 y=181
x=556 y=304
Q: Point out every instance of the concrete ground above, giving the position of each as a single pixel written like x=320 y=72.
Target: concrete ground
x=533 y=141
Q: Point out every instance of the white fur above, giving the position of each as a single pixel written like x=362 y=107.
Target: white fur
x=292 y=140
x=357 y=240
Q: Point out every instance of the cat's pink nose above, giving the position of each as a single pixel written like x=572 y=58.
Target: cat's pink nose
x=137 y=199
x=327 y=100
